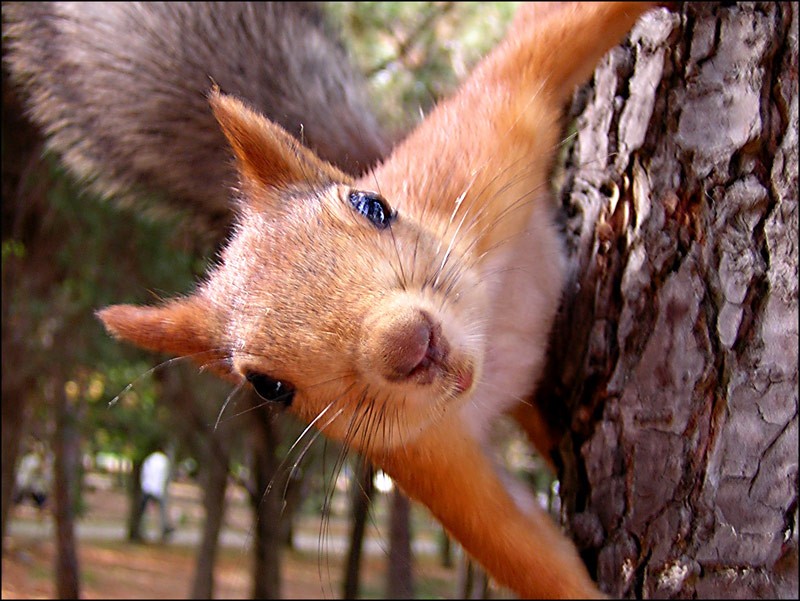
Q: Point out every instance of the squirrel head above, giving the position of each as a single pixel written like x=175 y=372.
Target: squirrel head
x=328 y=297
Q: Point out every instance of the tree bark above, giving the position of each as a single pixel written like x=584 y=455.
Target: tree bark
x=676 y=349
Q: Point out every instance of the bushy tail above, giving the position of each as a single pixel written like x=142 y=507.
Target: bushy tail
x=119 y=90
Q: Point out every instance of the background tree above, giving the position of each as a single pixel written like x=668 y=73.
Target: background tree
x=362 y=492
x=54 y=273
x=66 y=485
x=400 y=562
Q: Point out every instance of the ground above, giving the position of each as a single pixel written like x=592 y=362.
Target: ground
x=112 y=568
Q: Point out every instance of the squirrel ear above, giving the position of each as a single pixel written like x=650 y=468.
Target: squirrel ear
x=267 y=155
x=184 y=327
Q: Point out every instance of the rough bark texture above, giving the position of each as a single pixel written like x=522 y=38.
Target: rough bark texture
x=676 y=350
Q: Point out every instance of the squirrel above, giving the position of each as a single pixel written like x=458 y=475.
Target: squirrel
x=401 y=308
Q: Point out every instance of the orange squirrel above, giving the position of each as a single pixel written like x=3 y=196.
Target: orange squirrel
x=404 y=310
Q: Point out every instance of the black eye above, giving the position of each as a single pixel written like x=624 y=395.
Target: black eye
x=271 y=390
x=372 y=206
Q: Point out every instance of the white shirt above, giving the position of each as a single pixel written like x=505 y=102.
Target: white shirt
x=155 y=473
x=34 y=474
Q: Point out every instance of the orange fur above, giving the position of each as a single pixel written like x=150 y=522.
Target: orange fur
x=406 y=341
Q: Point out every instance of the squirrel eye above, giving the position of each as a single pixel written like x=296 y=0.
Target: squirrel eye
x=372 y=206
x=274 y=391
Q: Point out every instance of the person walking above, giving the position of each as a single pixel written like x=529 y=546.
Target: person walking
x=155 y=482
x=34 y=478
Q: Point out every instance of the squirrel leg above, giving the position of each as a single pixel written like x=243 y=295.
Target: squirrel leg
x=448 y=471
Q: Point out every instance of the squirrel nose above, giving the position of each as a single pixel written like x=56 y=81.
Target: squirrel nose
x=408 y=344
x=402 y=342
x=412 y=346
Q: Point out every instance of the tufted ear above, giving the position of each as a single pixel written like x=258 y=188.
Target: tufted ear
x=184 y=327
x=267 y=156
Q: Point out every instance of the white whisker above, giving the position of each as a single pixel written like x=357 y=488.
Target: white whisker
x=236 y=389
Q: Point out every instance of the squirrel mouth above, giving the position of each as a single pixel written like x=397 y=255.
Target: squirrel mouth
x=436 y=364
x=430 y=365
x=464 y=380
x=430 y=359
x=428 y=371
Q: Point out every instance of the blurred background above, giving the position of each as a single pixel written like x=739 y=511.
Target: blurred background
x=255 y=506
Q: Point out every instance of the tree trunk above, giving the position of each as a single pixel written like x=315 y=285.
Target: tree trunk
x=676 y=348
x=135 y=514
x=295 y=494
x=400 y=572
x=23 y=205
x=473 y=583
x=214 y=487
x=445 y=548
x=67 y=456
x=266 y=503
x=210 y=437
x=361 y=496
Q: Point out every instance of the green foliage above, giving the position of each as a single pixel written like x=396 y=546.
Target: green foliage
x=99 y=231
x=13 y=248
x=132 y=420
x=414 y=53
x=86 y=254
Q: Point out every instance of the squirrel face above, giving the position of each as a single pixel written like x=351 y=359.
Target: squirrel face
x=342 y=306
x=328 y=296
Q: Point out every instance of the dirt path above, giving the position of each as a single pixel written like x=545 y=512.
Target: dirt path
x=112 y=568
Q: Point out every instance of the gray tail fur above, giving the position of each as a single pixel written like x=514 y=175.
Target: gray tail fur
x=119 y=90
